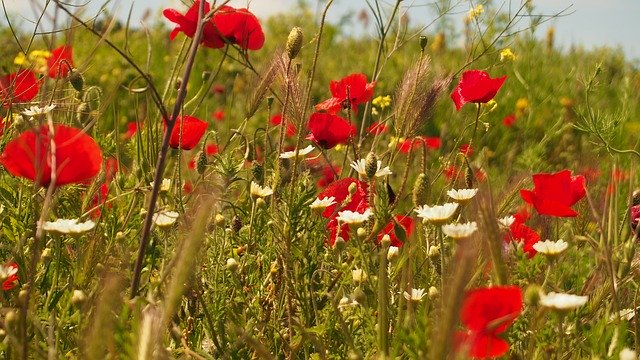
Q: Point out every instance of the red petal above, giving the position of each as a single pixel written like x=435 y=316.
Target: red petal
x=491 y=310
x=57 y=67
x=192 y=131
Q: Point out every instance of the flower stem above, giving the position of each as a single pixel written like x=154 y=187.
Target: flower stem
x=383 y=302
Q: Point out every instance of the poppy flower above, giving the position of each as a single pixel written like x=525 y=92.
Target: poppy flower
x=451 y=172
x=466 y=149
x=277 y=120
x=77 y=156
x=329 y=130
x=357 y=88
x=132 y=129
x=218 y=115
x=192 y=131
x=476 y=86
x=509 y=120
x=520 y=232
x=487 y=313
x=377 y=128
x=10 y=273
x=238 y=26
x=399 y=223
x=188 y=23
x=554 y=194
x=56 y=62
x=328 y=176
x=211 y=149
x=111 y=168
x=432 y=142
x=340 y=191
x=20 y=86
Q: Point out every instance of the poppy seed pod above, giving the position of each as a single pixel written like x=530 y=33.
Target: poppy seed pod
x=423 y=42
x=294 y=42
x=76 y=79
x=420 y=190
x=257 y=170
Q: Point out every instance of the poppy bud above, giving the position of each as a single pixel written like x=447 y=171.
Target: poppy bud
x=353 y=187
x=339 y=244
x=423 y=42
x=420 y=190
x=258 y=172
x=220 y=220
x=371 y=165
x=206 y=75
x=201 y=164
x=269 y=101
x=468 y=177
x=359 y=295
x=76 y=79
x=532 y=294
x=236 y=224
x=294 y=42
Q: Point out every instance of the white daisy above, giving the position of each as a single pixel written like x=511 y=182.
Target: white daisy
x=460 y=231
x=506 y=221
x=260 y=191
x=360 y=167
x=562 y=302
x=415 y=295
x=292 y=154
x=346 y=303
x=322 y=203
x=37 y=110
x=165 y=218
x=68 y=226
x=354 y=218
x=438 y=214
x=628 y=354
x=462 y=195
x=624 y=314
x=551 y=248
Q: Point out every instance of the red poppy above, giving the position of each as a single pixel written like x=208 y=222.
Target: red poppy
x=333 y=231
x=277 y=120
x=357 y=88
x=466 y=149
x=188 y=23
x=476 y=87
x=509 y=120
x=211 y=149
x=328 y=176
x=77 y=156
x=60 y=62
x=487 y=313
x=20 y=86
x=340 y=191
x=218 y=115
x=11 y=281
x=239 y=26
x=432 y=142
x=523 y=214
x=329 y=130
x=192 y=131
x=554 y=194
x=111 y=168
x=399 y=223
x=132 y=129
x=218 y=89
x=451 y=172
x=187 y=187
x=377 y=128
x=519 y=232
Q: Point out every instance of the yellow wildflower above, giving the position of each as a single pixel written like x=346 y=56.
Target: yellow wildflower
x=36 y=59
x=382 y=101
x=507 y=55
x=475 y=12
x=521 y=106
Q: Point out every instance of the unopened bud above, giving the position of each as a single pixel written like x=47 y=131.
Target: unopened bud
x=359 y=295
x=433 y=292
x=220 y=220
x=232 y=264
x=386 y=240
x=532 y=294
x=78 y=298
x=236 y=224
x=257 y=170
x=201 y=164
x=421 y=190
x=352 y=188
x=260 y=203
x=76 y=79
x=371 y=165
x=434 y=252
x=392 y=253
x=294 y=42
x=358 y=276
x=206 y=75
x=361 y=232
x=423 y=42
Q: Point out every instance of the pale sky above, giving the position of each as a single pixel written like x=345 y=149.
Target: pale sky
x=591 y=22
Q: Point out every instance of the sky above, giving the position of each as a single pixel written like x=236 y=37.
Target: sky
x=589 y=23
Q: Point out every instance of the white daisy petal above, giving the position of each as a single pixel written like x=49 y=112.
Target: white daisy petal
x=68 y=226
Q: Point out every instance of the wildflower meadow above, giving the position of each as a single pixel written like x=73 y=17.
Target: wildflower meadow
x=210 y=184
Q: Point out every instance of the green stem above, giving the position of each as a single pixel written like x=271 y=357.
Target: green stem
x=383 y=303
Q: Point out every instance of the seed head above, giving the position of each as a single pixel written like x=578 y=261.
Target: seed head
x=294 y=42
